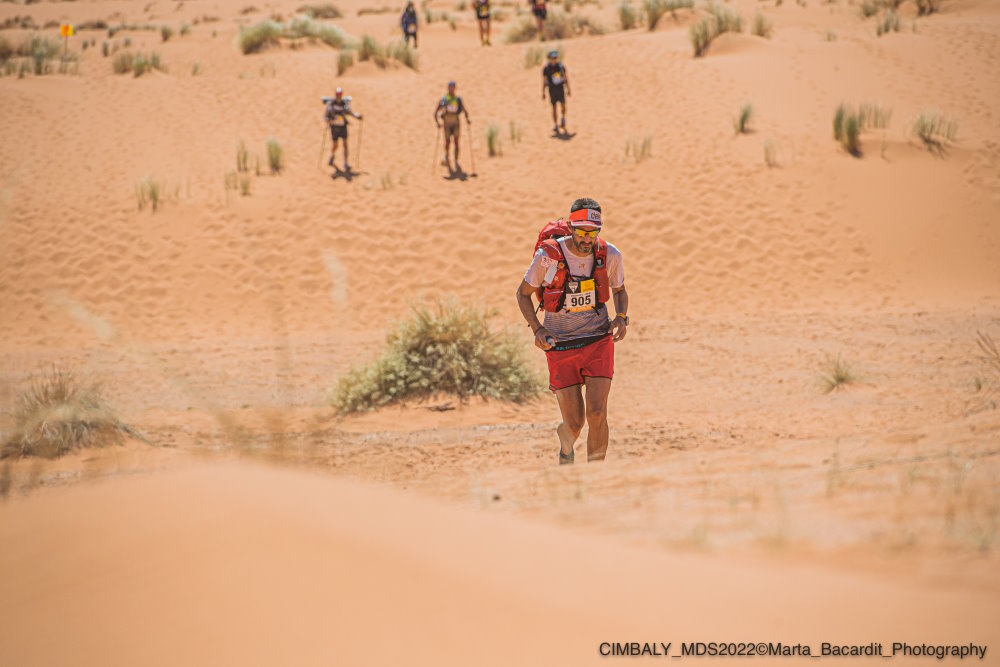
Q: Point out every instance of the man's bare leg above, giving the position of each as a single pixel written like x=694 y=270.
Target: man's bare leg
x=573 y=417
x=597 y=417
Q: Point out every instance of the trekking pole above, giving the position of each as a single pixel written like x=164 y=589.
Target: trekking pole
x=434 y=160
x=322 y=148
x=472 y=148
x=361 y=127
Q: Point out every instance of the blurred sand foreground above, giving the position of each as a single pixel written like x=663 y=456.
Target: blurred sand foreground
x=739 y=502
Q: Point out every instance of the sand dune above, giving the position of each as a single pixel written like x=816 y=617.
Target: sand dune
x=238 y=563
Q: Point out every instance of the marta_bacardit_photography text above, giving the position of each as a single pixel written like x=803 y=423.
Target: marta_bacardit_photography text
x=970 y=650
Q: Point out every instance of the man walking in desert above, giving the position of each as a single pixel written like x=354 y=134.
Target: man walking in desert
x=574 y=273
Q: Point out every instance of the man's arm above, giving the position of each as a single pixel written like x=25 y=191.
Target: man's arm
x=543 y=339
x=545 y=83
x=437 y=112
x=566 y=81
x=618 y=327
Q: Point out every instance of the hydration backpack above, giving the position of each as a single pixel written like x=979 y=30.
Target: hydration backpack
x=552 y=297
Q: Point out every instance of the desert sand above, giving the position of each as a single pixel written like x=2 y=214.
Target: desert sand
x=739 y=501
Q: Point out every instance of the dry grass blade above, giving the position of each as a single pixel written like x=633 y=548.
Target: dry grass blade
x=59 y=413
x=838 y=376
x=991 y=355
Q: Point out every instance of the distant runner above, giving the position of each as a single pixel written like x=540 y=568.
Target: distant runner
x=447 y=112
x=337 y=110
x=408 y=21
x=541 y=13
x=576 y=275
x=554 y=78
x=482 y=8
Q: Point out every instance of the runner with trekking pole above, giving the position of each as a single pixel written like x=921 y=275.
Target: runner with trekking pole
x=447 y=113
x=573 y=274
x=337 y=110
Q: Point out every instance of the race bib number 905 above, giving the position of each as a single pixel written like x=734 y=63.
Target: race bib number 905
x=580 y=296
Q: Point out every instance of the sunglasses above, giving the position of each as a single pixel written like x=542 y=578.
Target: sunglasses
x=586 y=233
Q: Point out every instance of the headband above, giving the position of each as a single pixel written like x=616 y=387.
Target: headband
x=586 y=215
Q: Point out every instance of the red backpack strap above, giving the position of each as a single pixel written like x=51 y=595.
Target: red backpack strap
x=603 y=283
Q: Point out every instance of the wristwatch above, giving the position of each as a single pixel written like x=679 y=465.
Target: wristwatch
x=624 y=317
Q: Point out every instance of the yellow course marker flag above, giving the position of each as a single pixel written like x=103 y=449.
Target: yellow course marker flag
x=65 y=29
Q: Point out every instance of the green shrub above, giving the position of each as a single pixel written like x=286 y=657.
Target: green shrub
x=448 y=350
x=925 y=7
x=275 y=156
x=628 y=17
x=166 y=32
x=59 y=413
x=869 y=8
x=742 y=123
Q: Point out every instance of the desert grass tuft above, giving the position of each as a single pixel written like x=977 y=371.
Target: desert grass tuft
x=771 y=154
x=450 y=349
x=869 y=8
x=655 y=9
x=762 y=26
x=987 y=383
x=320 y=11
x=242 y=158
x=532 y=57
x=837 y=375
x=742 y=122
x=926 y=7
x=185 y=29
x=847 y=129
x=402 y=52
x=628 y=17
x=148 y=191
x=558 y=26
x=493 y=140
x=889 y=23
x=935 y=129
x=515 y=133
x=275 y=156
x=166 y=32
x=59 y=413
x=344 y=61
x=270 y=33
x=245 y=183
x=260 y=36
x=721 y=21
x=639 y=150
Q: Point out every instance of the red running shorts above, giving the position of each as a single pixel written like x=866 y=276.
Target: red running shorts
x=569 y=367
